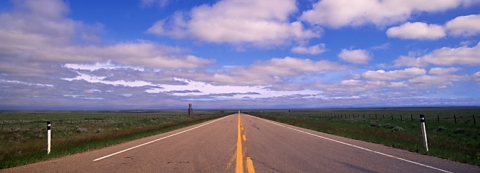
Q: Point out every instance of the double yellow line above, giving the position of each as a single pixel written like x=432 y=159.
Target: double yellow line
x=239 y=167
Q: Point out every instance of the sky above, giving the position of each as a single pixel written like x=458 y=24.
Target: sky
x=229 y=54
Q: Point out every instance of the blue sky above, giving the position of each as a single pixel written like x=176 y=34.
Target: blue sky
x=228 y=54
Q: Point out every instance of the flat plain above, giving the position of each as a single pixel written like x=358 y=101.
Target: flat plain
x=24 y=133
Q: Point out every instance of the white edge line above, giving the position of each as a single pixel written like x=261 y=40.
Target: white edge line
x=146 y=143
x=351 y=145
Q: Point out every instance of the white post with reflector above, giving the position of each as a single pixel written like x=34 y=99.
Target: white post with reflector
x=49 y=136
x=424 y=131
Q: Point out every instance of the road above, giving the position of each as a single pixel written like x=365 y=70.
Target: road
x=243 y=143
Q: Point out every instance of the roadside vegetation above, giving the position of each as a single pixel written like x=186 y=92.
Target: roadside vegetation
x=453 y=133
x=23 y=134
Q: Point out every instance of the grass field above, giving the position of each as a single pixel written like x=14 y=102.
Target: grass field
x=23 y=134
x=452 y=132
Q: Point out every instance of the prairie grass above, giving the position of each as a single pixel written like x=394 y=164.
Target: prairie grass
x=23 y=134
x=399 y=128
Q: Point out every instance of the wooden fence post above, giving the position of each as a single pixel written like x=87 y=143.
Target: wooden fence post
x=455 y=118
x=474 y=122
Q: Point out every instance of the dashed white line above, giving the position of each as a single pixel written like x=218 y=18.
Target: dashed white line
x=366 y=149
x=146 y=143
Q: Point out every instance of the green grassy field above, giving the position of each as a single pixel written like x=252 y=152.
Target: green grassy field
x=23 y=134
x=452 y=132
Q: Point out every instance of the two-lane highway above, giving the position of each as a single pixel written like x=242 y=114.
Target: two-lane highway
x=243 y=143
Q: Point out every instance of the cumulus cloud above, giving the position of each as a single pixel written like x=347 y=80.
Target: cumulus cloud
x=237 y=21
x=443 y=71
x=339 y=13
x=42 y=33
x=464 y=25
x=444 y=56
x=417 y=30
x=272 y=71
x=313 y=50
x=393 y=75
x=440 y=81
x=476 y=77
x=358 y=56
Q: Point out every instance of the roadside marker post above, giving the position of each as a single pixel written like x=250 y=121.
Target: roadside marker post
x=49 y=136
x=424 y=131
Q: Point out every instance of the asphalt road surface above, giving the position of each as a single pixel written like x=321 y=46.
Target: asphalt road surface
x=242 y=143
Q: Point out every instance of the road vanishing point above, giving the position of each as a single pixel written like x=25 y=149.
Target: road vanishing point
x=243 y=143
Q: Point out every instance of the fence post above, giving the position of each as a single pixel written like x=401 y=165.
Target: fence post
x=474 y=122
x=392 y=116
x=455 y=118
x=411 y=117
x=401 y=118
x=438 y=118
x=49 y=136
x=424 y=131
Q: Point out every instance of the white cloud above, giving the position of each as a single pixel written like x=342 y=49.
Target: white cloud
x=196 y=88
x=476 y=77
x=313 y=50
x=271 y=71
x=381 y=47
x=159 y=3
x=255 y=22
x=393 y=75
x=358 y=56
x=464 y=25
x=439 y=81
x=444 y=56
x=443 y=71
x=338 y=13
x=417 y=30
x=26 y=83
x=98 y=66
x=102 y=80
x=43 y=33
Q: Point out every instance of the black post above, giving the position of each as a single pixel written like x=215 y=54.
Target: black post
x=392 y=116
x=455 y=118
x=411 y=117
x=401 y=119
x=474 y=122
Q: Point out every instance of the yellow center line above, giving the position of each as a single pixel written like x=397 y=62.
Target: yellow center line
x=240 y=136
x=250 y=168
x=239 y=167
